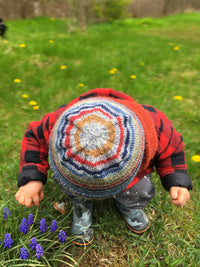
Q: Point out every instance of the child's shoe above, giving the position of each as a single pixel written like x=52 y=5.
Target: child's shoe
x=82 y=220
x=136 y=219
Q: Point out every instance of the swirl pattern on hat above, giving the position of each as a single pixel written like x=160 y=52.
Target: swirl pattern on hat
x=96 y=147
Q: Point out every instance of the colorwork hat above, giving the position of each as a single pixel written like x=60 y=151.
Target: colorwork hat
x=96 y=147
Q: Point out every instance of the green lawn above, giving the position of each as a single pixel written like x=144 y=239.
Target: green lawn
x=154 y=60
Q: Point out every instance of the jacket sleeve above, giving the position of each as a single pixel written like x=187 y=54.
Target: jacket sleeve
x=170 y=157
x=34 y=151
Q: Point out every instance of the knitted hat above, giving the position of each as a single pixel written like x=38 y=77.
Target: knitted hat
x=96 y=147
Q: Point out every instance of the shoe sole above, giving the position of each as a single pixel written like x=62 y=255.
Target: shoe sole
x=138 y=232
x=83 y=244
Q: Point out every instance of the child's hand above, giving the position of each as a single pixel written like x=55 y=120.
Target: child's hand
x=30 y=193
x=179 y=195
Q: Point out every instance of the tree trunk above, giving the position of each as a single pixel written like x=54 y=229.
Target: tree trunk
x=81 y=13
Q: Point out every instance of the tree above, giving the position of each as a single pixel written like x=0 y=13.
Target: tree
x=81 y=13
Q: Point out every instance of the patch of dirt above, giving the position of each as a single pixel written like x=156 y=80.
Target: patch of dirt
x=105 y=253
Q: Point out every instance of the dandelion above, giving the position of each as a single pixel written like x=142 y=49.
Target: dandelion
x=7 y=241
x=5 y=41
x=51 y=41
x=80 y=84
x=30 y=219
x=33 y=103
x=196 y=158
x=36 y=108
x=17 y=80
x=176 y=47
x=133 y=76
x=43 y=226
x=6 y=213
x=63 y=67
x=178 y=97
x=24 y=227
x=22 y=45
x=141 y=63
x=62 y=236
x=39 y=251
x=25 y=96
x=33 y=244
x=112 y=72
x=24 y=254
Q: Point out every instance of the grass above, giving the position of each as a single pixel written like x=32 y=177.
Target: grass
x=140 y=47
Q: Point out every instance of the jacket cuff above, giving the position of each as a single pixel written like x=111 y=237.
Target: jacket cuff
x=31 y=175
x=177 y=179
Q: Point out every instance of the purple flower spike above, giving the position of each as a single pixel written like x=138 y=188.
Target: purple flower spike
x=30 y=219
x=54 y=226
x=39 y=251
x=24 y=226
x=6 y=213
x=62 y=236
x=7 y=241
x=33 y=243
x=24 y=254
x=43 y=226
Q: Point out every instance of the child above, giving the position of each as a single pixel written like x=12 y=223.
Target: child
x=101 y=145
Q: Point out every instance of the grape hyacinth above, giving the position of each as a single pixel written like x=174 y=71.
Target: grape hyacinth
x=33 y=243
x=30 y=220
x=24 y=227
x=24 y=254
x=6 y=213
x=39 y=251
x=7 y=241
x=54 y=226
x=43 y=226
x=62 y=236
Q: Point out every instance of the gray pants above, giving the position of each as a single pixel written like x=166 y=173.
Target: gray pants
x=137 y=197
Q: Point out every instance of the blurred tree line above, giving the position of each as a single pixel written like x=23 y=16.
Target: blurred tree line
x=99 y=10
x=94 y=10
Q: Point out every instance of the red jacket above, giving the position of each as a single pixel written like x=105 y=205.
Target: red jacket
x=169 y=159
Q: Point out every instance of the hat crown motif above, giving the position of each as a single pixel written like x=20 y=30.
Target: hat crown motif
x=93 y=135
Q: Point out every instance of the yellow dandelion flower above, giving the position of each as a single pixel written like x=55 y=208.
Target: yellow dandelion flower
x=141 y=63
x=33 y=103
x=5 y=41
x=176 y=47
x=36 y=108
x=81 y=84
x=63 y=67
x=25 y=96
x=17 y=80
x=112 y=72
x=133 y=76
x=51 y=41
x=196 y=158
x=22 y=45
x=178 y=97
